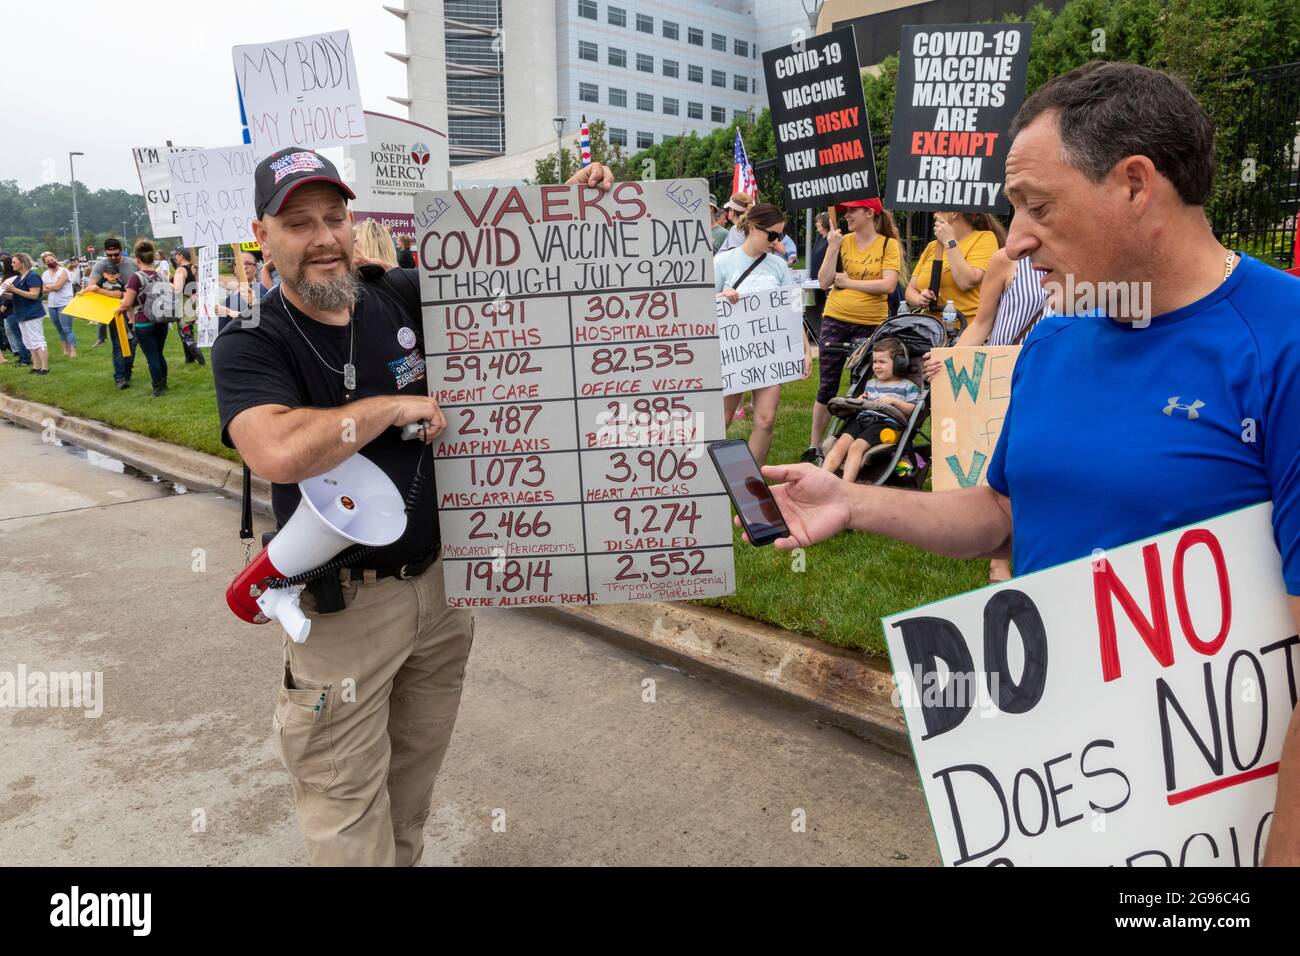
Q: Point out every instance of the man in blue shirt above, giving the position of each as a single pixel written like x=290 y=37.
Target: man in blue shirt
x=1175 y=402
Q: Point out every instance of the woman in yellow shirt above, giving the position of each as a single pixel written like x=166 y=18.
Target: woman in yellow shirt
x=860 y=269
x=964 y=243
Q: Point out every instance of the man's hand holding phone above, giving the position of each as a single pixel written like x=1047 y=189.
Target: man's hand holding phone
x=811 y=500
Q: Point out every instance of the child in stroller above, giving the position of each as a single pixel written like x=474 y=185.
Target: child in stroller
x=888 y=459
x=889 y=402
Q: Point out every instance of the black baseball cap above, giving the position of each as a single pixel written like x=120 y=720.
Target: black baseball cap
x=285 y=170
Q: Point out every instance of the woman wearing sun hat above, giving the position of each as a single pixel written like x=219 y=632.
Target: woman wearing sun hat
x=860 y=271
x=736 y=207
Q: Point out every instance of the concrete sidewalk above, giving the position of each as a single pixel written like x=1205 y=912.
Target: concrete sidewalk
x=104 y=572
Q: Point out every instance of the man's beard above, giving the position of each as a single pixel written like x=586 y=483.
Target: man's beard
x=330 y=295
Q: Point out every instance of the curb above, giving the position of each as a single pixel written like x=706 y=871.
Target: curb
x=847 y=687
x=194 y=469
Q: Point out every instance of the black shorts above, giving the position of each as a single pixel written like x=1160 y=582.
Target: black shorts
x=870 y=427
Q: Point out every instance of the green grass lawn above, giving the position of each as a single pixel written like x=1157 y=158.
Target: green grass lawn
x=186 y=415
x=847 y=583
x=844 y=588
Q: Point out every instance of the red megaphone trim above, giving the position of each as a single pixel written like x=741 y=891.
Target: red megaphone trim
x=239 y=595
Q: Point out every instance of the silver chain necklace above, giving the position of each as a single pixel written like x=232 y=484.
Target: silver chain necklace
x=349 y=371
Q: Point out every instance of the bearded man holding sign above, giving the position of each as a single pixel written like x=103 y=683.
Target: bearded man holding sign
x=333 y=365
x=1125 y=421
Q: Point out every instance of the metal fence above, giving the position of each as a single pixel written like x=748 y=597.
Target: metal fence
x=1257 y=193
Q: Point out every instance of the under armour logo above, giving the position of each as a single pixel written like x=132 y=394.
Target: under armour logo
x=1191 y=410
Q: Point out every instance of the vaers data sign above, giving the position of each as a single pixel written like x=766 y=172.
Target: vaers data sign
x=1123 y=710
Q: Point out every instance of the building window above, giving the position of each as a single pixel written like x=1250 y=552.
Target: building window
x=617 y=137
x=617 y=97
x=695 y=74
x=645 y=23
x=473 y=51
x=738 y=114
x=719 y=42
x=617 y=57
x=588 y=51
x=589 y=92
x=645 y=101
x=645 y=140
x=616 y=16
x=718 y=114
x=740 y=47
x=720 y=78
x=670 y=30
x=740 y=83
x=695 y=110
x=671 y=68
x=695 y=36
x=587 y=9
x=670 y=106
x=482 y=92
x=645 y=63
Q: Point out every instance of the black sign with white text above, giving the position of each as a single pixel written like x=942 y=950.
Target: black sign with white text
x=823 y=141
x=959 y=87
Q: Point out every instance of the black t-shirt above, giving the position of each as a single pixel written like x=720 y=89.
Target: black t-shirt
x=272 y=364
x=405 y=259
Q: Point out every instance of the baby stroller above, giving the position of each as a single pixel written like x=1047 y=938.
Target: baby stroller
x=903 y=462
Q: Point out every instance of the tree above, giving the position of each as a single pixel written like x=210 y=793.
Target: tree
x=46 y=211
x=571 y=160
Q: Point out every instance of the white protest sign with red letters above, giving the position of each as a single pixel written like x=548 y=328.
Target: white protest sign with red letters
x=1128 y=709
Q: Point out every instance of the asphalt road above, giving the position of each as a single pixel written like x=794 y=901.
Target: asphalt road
x=107 y=572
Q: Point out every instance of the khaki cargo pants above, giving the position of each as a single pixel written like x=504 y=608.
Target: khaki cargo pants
x=364 y=714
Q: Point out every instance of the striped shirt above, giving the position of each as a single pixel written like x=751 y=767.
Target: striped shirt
x=902 y=388
x=1020 y=305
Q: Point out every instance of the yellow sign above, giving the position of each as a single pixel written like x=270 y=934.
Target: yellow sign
x=92 y=306
x=95 y=307
x=969 y=400
x=249 y=247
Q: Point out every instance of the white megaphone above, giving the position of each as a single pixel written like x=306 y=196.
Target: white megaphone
x=354 y=503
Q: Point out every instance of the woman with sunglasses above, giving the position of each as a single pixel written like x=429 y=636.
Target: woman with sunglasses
x=751 y=266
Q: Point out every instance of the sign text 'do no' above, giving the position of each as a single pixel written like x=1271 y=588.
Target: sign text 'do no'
x=1126 y=710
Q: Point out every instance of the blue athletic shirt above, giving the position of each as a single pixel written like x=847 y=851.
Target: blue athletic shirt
x=1116 y=433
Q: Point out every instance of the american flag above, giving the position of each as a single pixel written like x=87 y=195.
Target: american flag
x=742 y=179
x=586 y=143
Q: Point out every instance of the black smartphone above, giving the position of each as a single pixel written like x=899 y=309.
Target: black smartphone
x=758 y=510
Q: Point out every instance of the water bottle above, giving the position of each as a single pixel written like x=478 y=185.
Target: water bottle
x=950 y=316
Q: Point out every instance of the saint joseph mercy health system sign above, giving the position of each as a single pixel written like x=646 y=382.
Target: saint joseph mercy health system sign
x=1124 y=710
x=399 y=160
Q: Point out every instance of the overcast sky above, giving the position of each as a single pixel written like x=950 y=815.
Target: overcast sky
x=79 y=79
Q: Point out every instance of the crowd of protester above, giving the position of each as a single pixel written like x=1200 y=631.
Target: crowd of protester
x=857 y=277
